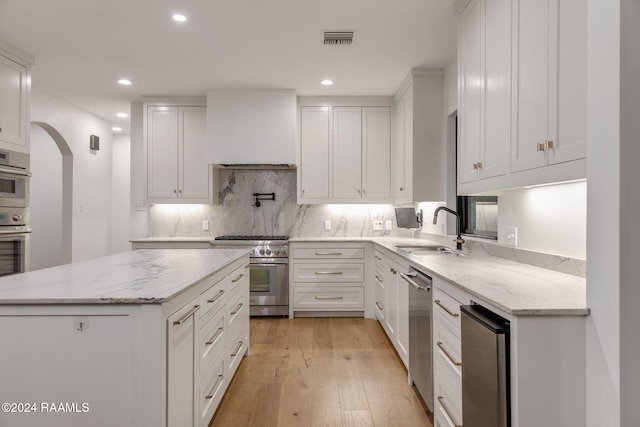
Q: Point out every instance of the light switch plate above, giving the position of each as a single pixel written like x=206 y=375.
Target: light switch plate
x=377 y=225
x=512 y=236
x=327 y=225
x=205 y=225
x=388 y=225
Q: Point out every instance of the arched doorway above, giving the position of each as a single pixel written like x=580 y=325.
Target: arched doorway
x=51 y=197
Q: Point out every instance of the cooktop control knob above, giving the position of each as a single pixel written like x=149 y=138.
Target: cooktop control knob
x=261 y=251
x=17 y=217
x=268 y=251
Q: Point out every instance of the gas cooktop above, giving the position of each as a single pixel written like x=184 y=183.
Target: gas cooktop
x=258 y=237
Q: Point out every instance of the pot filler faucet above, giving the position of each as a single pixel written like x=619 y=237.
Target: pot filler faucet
x=459 y=240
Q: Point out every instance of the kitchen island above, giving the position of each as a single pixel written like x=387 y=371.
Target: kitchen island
x=143 y=338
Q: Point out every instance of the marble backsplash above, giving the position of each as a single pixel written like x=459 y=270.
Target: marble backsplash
x=236 y=213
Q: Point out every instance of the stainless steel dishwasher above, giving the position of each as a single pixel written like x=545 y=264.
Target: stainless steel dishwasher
x=485 y=368
x=420 y=320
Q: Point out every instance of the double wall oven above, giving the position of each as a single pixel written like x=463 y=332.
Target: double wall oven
x=14 y=212
x=269 y=271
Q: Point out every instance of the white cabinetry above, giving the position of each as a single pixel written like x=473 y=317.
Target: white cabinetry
x=327 y=279
x=485 y=90
x=175 y=151
x=345 y=153
x=550 y=70
x=522 y=116
x=14 y=98
x=392 y=301
x=418 y=138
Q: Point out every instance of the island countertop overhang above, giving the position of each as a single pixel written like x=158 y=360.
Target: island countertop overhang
x=149 y=276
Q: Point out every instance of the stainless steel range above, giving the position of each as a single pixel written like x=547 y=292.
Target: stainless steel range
x=269 y=271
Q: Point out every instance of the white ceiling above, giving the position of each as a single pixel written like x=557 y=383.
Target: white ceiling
x=82 y=47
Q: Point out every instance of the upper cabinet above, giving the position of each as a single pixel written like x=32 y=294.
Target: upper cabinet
x=344 y=152
x=176 y=152
x=14 y=98
x=522 y=80
x=485 y=90
x=418 y=152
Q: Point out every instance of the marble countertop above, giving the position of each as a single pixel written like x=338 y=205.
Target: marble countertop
x=147 y=276
x=515 y=288
x=171 y=239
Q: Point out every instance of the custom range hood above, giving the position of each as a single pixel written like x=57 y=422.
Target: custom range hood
x=251 y=129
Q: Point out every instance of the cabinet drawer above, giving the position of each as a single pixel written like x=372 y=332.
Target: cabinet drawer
x=379 y=280
x=329 y=253
x=212 y=300
x=328 y=273
x=378 y=260
x=447 y=310
x=212 y=339
x=379 y=305
x=236 y=309
x=447 y=345
x=238 y=279
x=448 y=390
x=329 y=297
x=211 y=390
x=237 y=348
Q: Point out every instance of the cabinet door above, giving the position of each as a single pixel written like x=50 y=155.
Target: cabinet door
x=347 y=152
x=533 y=83
x=571 y=140
x=376 y=155
x=162 y=152
x=314 y=153
x=181 y=366
x=192 y=161
x=470 y=92
x=13 y=101
x=402 y=335
x=400 y=161
x=392 y=302
x=496 y=140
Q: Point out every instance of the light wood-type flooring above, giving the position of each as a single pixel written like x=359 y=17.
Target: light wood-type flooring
x=320 y=372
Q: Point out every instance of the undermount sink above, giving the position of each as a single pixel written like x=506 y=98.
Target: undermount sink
x=428 y=250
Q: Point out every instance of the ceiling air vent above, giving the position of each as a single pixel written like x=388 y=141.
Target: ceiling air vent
x=338 y=37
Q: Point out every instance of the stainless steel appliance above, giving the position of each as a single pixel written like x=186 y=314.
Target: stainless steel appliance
x=14 y=240
x=269 y=271
x=485 y=368
x=420 y=320
x=14 y=179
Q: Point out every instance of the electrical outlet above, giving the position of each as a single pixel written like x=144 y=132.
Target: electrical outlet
x=377 y=225
x=512 y=236
x=327 y=225
x=388 y=225
x=205 y=225
x=140 y=207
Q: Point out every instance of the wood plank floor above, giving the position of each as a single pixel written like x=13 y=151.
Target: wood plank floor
x=320 y=372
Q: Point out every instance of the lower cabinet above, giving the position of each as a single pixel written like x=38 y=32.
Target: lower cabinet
x=206 y=340
x=327 y=279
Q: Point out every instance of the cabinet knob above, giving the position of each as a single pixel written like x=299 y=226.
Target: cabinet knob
x=541 y=146
x=401 y=188
x=175 y=191
x=475 y=166
x=479 y=165
x=358 y=191
x=549 y=145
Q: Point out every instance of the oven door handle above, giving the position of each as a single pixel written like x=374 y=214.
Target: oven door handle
x=16 y=172
x=10 y=232
x=268 y=264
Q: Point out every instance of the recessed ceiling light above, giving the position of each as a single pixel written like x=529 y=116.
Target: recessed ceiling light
x=326 y=82
x=124 y=82
x=179 y=17
x=116 y=129
x=123 y=115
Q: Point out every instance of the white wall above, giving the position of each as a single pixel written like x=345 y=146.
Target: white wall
x=121 y=185
x=92 y=172
x=46 y=248
x=550 y=219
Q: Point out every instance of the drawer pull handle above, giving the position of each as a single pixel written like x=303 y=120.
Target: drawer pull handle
x=378 y=258
x=317 y=297
x=451 y=313
x=328 y=253
x=237 y=278
x=379 y=278
x=215 y=337
x=446 y=353
x=440 y=399
x=237 y=349
x=380 y=306
x=328 y=272
x=186 y=316
x=233 y=313
x=215 y=387
x=216 y=298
